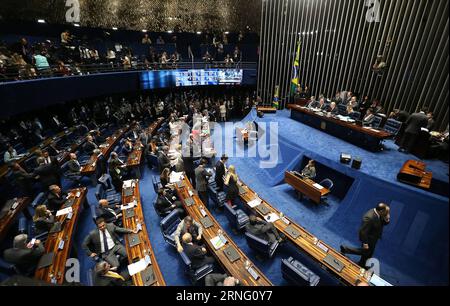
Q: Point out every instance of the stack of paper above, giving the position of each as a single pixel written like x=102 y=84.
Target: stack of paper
x=127 y=184
x=318 y=186
x=176 y=177
x=64 y=211
x=128 y=206
x=139 y=266
x=217 y=242
x=272 y=217
x=254 y=203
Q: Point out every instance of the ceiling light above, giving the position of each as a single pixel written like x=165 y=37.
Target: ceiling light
x=41 y=21
x=145 y=31
x=199 y=32
x=169 y=32
x=114 y=28
x=76 y=25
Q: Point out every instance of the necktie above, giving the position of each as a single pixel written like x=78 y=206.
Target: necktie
x=114 y=275
x=105 y=241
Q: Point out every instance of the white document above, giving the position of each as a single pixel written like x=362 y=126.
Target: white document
x=255 y=202
x=318 y=186
x=128 y=205
x=175 y=177
x=272 y=217
x=139 y=266
x=64 y=211
x=375 y=280
x=217 y=242
x=127 y=184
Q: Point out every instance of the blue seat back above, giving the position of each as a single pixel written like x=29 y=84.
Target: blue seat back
x=393 y=126
x=355 y=115
x=38 y=200
x=257 y=243
x=297 y=274
x=376 y=122
x=342 y=109
x=327 y=183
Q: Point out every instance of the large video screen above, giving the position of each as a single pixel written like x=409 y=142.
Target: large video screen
x=192 y=77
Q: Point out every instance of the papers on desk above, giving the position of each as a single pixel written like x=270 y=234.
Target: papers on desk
x=255 y=202
x=175 y=177
x=103 y=145
x=218 y=242
x=127 y=184
x=139 y=266
x=272 y=217
x=128 y=205
x=315 y=185
x=64 y=211
x=375 y=280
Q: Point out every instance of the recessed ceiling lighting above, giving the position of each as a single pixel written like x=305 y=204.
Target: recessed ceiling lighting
x=227 y=32
x=41 y=21
x=145 y=31
x=114 y=28
x=169 y=32
x=199 y=32
x=76 y=25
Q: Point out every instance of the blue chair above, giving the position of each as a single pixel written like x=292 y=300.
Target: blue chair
x=156 y=183
x=195 y=275
x=168 y=226
x=297 y=274
x=355 y=115
x=376 y=122
x=261 y=245
x=342 y=109
x=100 y=193
x=76 y=178
x=106 y=181
x=327 y=183
x=392 y=126
x=237 y=217
x=41 y=198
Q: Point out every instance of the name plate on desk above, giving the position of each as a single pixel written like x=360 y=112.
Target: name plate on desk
x=231 y=253
x=133 y=239
x=189 y=201
x=294 y=233
x=128 y=192
x=262 y=209
x=206 y=222
x=129 y=213
x=148 y=276
x=332 y=261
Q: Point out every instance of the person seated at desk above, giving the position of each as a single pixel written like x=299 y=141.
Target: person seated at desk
x=105 y=275
x=10 y=154
x=165 y=203
x=23 y=254
x=399 y=115
x=73 y=165
x=90 y=145
x=97 y=137
x=231 y=181
x=163 y=159
x=312 y=102
x=368 y=118
x=439 y=146
x=196 y=253
x=128 y=146
x=55 y=198
x=117 y=170
x=111 y=213
x=188 y=225
x=22 y=179
x=104 y=242
x=333 y=109
x=164 y=177
x=43 y=220
x=310 y=170
x=221 y=280
x=318 y=105
x=46 y=173
x=262 y=229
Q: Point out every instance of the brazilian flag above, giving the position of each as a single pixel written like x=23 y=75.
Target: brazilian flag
x=276 y=96
x=295 y=80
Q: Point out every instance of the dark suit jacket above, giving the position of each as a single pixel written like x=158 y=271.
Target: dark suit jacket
x=163 y=161
x=103 y=281
x=415 y=122
x=201 y=179
x=163 y=205
x=89 y=147
x=25 y=259
x=55 y=202
x=334 y=111
x=106 y=214
x=73 y=166
x=220 y=172
x=91 y=243
x=195 y=254
x=47 y=175
x=43 y=225
x=371 y=228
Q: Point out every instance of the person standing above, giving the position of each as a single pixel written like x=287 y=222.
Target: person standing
x=414 y=124
x=201 y=181
x=231 y=180
x=370 y=231
x=220 y=172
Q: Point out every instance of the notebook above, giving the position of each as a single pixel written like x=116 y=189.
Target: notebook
x=231 y=253
x=206 y=222
x=133 y=239
x=294 y=233
x=332 y=261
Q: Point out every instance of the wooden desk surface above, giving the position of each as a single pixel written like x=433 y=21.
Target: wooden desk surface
x=58 y=268
x=48 y=141
x=7 y=220
x=266 y=109
x=111 y=141
x=135 y=157
x=236 y=268
x=380 y=134
x=144 y=247
x=415 y=169
x=310 y=244
x=305 y=186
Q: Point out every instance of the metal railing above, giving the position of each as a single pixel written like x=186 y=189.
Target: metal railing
x=10 y=73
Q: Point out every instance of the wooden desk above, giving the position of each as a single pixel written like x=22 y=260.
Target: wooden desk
x=315 y=248
x=144 y=248
x=364 y=137
x=305 y=187
x=413 y=173
x=8 y=219
x=91 y=166
x=58 y=268
x=236 y=268
x=266 y=109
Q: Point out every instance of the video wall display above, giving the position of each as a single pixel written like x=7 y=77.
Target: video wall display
x=193 y=77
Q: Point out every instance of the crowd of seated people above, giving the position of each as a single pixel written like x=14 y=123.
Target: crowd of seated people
x=73 y=56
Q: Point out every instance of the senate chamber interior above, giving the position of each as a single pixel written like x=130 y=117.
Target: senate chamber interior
x=224 y=143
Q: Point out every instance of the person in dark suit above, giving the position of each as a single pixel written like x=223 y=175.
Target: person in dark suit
x=23 y=179
x=163 y=159
x=414 y=124
x=73 y=165
x=23 y=254
x=46 y=173
x=370 y=231
x=218 y=279
x=55 y=198
x=368 y=118
x=110 y=213
x=165 y=204
x=399 y=115
x=90 y=145
x=43 y=220
x=104 y=242
x=220 y=172
x=431 y=122
x=117 y=170
x=105 y=275
x=262 y=229
x=201 y=181
x=188 y=162
x=333 y=109
x=188 y=225
x=196 y=253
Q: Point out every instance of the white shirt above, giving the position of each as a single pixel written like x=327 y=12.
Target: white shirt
x=109 y=240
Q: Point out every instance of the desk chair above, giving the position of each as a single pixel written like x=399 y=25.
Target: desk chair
x=112 y=198
x=261 y=245
x=195 y=275
x=355 y=115
x=156 y=183
x=73 y=177
x=237 y=217
x=168 y=226
x=297 y=274
x=328 y=184
x=376 y=123
x=393 y=126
